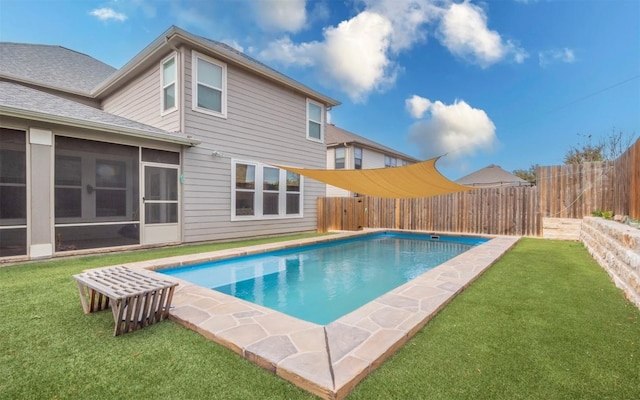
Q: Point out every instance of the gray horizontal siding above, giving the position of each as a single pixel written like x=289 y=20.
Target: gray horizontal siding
x=139 y=100
x=265 y=123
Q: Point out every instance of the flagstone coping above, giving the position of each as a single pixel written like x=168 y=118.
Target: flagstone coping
x=328 y=361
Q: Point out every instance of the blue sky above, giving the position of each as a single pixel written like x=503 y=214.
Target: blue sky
x=510 y=82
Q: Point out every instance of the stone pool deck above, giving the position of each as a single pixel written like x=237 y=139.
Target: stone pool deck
x=330 y=360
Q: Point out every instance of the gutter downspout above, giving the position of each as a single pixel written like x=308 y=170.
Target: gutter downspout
x=181 y=126
x=180 y=84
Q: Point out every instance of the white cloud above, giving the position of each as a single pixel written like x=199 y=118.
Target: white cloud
x=281 y=15
x=359 y=55
x=356 y=54
x=105 y=14
x=408 y=19
x=353 y=54
x=565 y=55
x=464 y=31
x=455 y=129
x=417 y=106
x=286 y=52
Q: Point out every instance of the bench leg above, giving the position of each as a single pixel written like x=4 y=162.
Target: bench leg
x=117 y=308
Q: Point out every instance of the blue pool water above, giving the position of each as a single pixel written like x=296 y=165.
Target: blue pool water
x=322 y=282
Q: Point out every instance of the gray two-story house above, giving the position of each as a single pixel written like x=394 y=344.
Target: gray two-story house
x=173 y=147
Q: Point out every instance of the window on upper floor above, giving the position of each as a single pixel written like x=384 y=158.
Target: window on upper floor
x=209 y=85
x=339 y=164
x=357 y=158
x=315 y=121
x=390 y=161
x=169 y=85
x=261 y=192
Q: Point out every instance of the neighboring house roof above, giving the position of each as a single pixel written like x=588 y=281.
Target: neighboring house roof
x=53 y=67
x=492 y=176
x=20 y=101
x=335 y=136
x=173 y=37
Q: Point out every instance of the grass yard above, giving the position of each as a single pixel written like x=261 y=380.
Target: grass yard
x=545 y=322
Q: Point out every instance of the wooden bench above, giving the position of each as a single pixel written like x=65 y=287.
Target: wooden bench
x=137 y=298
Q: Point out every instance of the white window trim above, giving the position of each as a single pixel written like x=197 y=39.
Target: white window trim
x=194 y=85
x=164 y=112
x=321 y=122
x=258 y=191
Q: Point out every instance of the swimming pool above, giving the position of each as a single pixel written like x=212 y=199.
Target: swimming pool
x=320 y=283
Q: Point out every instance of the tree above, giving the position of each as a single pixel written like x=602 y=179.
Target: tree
x=605 y=149
x=528 y=175
x=584 y=153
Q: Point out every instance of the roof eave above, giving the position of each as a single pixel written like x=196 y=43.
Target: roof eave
x=180 y=36
x=9 y=77
x=193 y=40
x=140 y=58
x=80 y=123
x=374 y=148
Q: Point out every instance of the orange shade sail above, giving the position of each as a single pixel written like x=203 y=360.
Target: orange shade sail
x=411 y=181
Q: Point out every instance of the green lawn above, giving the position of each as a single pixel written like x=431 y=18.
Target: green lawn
x=545 y=322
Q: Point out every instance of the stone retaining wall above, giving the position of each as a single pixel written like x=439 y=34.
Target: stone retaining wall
x=616 y=247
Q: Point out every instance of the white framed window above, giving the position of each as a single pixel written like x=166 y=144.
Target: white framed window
x=294 y=193
x=169 y=74
x=264 y=192
x=339 y=163
x=209 y=85
x=357 y=158
x=270 y=191
x=315 y=121
x=390 y=162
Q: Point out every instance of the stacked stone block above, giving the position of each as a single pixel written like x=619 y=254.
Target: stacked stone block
x=616 y=247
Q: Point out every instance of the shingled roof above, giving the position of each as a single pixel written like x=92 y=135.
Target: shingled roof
x=52 y=66
x=492 y=176
x=21 y=100
x=336 y=136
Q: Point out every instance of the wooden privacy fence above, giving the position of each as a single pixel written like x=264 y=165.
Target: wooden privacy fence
x=567 y=191
x=503 y=211
x=575 y=191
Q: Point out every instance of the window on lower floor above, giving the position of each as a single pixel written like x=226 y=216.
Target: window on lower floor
x=258 y=191
x=13 y=192
x=293 y=193
x=270 y=191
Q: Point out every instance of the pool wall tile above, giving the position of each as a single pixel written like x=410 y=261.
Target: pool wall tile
x=328 y=361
